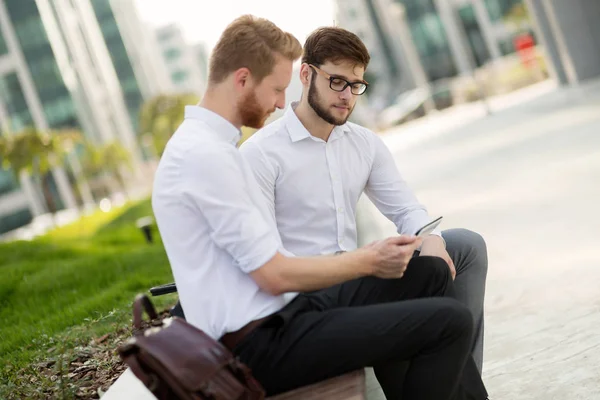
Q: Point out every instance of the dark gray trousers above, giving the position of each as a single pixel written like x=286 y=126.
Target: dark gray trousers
x=469 y=254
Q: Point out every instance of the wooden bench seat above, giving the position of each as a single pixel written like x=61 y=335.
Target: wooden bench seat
x=345 y=387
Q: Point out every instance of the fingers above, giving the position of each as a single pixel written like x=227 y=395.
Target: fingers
x=452 y=268
x=393 y=274
x=402 y=240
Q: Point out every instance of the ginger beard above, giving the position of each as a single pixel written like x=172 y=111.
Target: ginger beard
x=314 y=100
x=252 y=114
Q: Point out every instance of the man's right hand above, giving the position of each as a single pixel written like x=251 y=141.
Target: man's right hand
x=385 y=259
x=393 y=255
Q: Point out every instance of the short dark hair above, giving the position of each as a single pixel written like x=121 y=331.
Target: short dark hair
x=251 y=42
x=334 y=44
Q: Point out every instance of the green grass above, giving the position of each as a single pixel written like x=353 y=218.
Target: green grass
x=72 y=285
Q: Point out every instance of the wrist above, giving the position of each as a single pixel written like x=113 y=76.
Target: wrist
x=435 y=239
x=368 y=260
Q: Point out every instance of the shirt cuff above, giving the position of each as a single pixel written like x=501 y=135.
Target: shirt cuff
x=263 y=252
x=436 y=233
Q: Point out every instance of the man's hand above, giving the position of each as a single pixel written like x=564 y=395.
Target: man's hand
x=393 y=255
x=433 y=245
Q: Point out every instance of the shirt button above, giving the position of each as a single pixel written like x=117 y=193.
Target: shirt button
x=341 y=209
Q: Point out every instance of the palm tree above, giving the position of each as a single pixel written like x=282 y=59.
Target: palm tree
x=34 y=152
x=108 y=163
x=161 y=116
x=116 y=160
x=71 y=141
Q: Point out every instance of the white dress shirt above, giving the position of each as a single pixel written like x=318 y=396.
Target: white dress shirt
x=214 y=225
x=312 y=187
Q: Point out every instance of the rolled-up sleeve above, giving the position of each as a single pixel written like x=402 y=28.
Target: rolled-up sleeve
x=215 y=184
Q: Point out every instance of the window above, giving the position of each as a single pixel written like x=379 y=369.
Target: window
x=14 y=221
x=8 y=181
x=172 y=53
x=165 y=35
x=60 y=112
x=3 y=48
x=130 y=86
x=102 y=8
x=41 y=61
x=11 y=95
x=119 y=57
x=109 y=27
x=179 y=76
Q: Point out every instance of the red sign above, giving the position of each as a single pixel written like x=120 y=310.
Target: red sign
x=524 y=44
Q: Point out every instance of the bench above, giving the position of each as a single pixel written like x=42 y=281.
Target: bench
x=346 y=387
x=350 y=386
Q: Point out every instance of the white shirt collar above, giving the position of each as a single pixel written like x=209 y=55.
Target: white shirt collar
x=298 y=132
x=226 y=129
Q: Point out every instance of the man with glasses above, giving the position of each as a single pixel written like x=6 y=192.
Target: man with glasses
x=312 y=166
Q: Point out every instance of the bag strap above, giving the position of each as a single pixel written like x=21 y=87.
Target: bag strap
x=141 y=303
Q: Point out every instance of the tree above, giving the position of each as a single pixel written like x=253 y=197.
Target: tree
x=34 y=152
x=518 y=18
x=161 y=116
x=116 y=159
x=107 y=161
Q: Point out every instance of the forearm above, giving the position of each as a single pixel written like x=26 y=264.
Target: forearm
x=303 y=274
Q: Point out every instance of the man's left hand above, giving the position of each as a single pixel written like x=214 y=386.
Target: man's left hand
x=433 y=245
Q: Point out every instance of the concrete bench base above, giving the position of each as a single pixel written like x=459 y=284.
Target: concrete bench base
x=346 y=387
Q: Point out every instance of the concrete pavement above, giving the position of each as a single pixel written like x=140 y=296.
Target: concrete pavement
x=528 y=179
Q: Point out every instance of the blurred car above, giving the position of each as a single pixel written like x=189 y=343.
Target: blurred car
x=407 y=105
x=411 y=105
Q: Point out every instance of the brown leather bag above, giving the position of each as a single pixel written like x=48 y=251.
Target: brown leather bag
x=175 y=360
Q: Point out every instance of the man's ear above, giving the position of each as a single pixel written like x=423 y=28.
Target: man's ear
x=241 y=78
x=305 y=73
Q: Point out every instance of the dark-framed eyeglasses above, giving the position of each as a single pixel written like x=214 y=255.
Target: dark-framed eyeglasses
x=339 y=84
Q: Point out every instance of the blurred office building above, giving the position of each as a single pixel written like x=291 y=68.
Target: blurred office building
x=415 y=40
x=570 y=34
x=186 y=64
x=68 y=65
x=134 y=53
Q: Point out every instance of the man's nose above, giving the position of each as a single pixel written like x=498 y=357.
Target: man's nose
x=280 y=103
x=346 y=94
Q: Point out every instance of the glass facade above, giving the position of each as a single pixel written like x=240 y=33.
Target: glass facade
x=172 y=54
x=31 y=34
x=386 y=46
x=8 y=181
x=120 y=59
x=179 y=76
x=430 y=37
x=3 y=48
x=54 y=96
x=13 y=99
x=478 y=46
x=19 y=117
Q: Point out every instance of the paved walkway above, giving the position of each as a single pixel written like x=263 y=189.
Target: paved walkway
x=528 y=179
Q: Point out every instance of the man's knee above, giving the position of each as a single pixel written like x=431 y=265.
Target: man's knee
x=430 y=269
x=466 y=245
x=465 y=238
